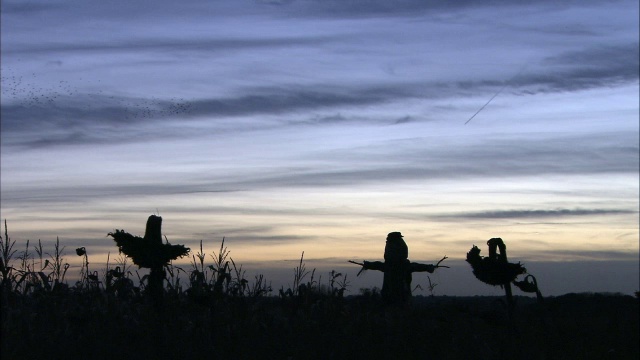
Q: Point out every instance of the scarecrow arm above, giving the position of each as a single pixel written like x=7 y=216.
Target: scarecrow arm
x=416 y=267
x=441 y=260
x=373 y=265
x=369 y=265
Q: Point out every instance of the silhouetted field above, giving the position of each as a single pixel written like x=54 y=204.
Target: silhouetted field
x=98 y=325
x=218 y=314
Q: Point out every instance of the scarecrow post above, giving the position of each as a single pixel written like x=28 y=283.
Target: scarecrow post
x=153 y=236
x=397 y=269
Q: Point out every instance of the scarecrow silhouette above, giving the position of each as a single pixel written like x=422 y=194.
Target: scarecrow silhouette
x=149 y=252
x=496 y=270
x=397 y=269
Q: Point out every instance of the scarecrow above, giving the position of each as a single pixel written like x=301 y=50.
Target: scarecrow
x=150 y=252
x=397 y=269
x=496 y=270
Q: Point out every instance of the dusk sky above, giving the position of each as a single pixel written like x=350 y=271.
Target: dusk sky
x=321 y=126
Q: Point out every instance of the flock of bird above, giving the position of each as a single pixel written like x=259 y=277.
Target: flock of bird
x=154 y=107
x=28 y=91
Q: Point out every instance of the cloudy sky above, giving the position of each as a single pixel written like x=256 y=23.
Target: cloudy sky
x=320 y=126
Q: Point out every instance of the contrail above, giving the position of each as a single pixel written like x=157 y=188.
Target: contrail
x=496 y=94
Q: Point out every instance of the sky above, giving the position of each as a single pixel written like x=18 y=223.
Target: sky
x=320 y=126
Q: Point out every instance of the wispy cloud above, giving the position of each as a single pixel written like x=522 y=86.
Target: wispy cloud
x=176 y=47
x=29 y=7
x=354 y=9
x=537 y=214
x=580 y=255
x=589 y=68
x=388 y=163
x=91 y=119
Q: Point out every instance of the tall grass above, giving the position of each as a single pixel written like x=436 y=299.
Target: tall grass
x=6 y=255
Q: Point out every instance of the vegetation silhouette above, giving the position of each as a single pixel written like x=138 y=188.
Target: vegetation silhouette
x=313 y=320
x=397 y=269
x=6 y=253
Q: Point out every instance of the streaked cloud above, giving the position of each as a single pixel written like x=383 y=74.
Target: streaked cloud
x=600 y=66
x=539 y=214
x=209 y=46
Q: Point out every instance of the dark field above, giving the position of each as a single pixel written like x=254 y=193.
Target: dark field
x=215 y=313
x=95 y=324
